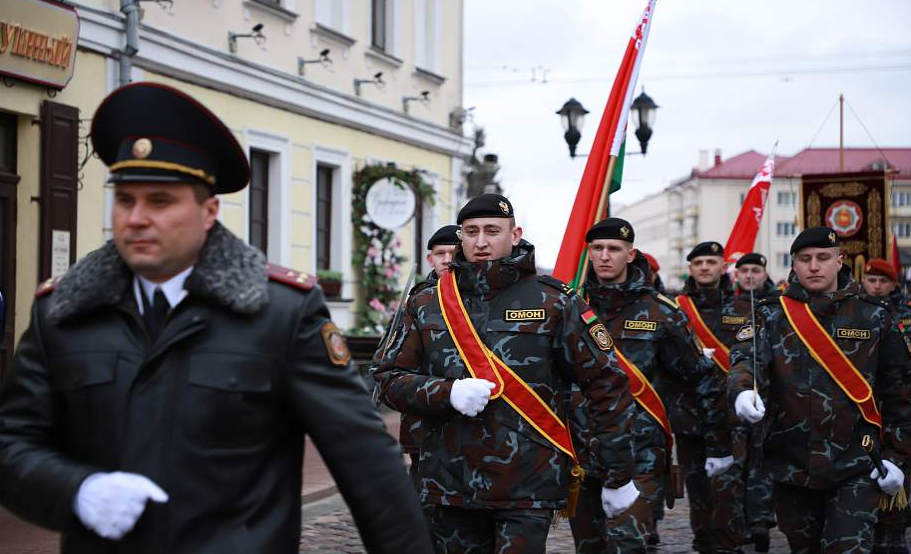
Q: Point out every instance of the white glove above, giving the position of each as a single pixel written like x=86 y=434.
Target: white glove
x=717 y=466
x=708 y=352
x=469 y=396
x=617 y=501
x=111 y=503
x=743 y=406
x=893 y=481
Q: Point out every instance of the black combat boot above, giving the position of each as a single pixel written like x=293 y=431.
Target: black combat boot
x=760 y=534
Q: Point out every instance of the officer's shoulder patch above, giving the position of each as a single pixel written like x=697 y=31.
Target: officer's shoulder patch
x=876 y=301
x=668 y=301
x=556 y=283
x=47 y=287
x=336 y=347
x=290 y=277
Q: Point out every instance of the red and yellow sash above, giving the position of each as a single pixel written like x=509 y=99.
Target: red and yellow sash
x=722 y=354
x=831 y=358
x=646 y=395
x=484 y=364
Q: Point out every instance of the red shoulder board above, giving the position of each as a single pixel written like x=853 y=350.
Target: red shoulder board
x=290 y=277
x=47 y=287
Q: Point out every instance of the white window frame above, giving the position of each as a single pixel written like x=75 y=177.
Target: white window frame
x=393 y=24
x=319 y=13
x=279 y=186
x=429 y=221
x=426 y=55
x=340 y=255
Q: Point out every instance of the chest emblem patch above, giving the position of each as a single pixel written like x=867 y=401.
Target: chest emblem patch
x=525 y=315
x=856 y=334
x=633 y=325
x=336 y=347
x=733 y=320
x=601 y=336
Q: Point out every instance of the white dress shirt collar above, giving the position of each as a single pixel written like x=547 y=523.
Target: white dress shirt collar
x=172 y=288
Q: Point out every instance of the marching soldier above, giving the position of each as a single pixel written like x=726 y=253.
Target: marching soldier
x=652 y=343
x=831 y=366
x=159 y=398
x=484 y=358
x=881 y=280
x=708 y=302
x=749 y=479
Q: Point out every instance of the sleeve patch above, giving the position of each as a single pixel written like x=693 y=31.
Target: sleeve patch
x=601 y=336
x=336 y=347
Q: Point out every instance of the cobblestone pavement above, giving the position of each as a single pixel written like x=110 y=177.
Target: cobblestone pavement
x=328 y=529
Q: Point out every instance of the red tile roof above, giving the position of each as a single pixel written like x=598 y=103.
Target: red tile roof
x=811 y=160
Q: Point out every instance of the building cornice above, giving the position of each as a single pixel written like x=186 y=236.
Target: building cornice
x=162 y=52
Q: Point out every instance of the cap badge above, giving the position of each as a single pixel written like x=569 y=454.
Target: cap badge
x=505 y=207
x=624 y=231
x=762 y=259
x=459 y=234
x=832 y=237
x=715 y=247
x=142 y=148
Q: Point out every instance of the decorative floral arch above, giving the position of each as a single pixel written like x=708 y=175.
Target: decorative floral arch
x=377 y=250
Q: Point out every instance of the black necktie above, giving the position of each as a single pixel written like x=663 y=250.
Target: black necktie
x=156 y=314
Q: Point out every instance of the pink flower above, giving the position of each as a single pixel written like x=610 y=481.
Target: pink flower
x=371 y=251
x=377 y=305
x=390 y=272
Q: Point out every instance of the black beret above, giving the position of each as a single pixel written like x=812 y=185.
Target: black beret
x=710 y=248
x=447 y=234
x=486 y=205
x=148 y=132
x=817 y=237
x=754 y=258
x=611 y=228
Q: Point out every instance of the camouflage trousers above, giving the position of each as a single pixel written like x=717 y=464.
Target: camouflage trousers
x=457 y=530
x=691 y=456
x=831 y=521
x=889 y=532
x=594 y=533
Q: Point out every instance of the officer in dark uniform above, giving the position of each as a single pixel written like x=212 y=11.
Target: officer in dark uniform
x=651 y=333
x=822 y=341
x=709 y=292
x=159 y=399
x=750 y=479
x=881 y=280
x=440 y=249
x=492 y=477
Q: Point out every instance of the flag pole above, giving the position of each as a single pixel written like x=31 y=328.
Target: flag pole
x=602 y=204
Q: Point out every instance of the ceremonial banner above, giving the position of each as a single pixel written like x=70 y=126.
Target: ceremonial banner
x=856 y=206
x=743 y=235
x=597 y=179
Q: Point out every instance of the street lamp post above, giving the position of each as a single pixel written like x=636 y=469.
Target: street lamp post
x=643 y=112
x=572 y=117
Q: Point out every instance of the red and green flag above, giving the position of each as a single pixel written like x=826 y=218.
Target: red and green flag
x=604 y=168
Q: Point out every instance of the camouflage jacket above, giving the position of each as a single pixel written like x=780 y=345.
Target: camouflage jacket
x=902 y=308
x=410 y=425
x=816 y=430
x=651 y=331
x=496 y=459
x=718 y=311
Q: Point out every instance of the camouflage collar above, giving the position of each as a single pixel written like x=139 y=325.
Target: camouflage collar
x=709 y=297
x=847 y=287
x=491 y=276
x=616 y=296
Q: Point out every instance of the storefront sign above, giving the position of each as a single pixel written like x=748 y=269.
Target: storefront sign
x=38 y=41
x=390 y=204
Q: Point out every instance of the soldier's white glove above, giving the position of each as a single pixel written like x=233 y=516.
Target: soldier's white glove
x=743 y=406
x=469 y=396
x=708 y=352
x=717 y=466
x=111 y=503
x=617 y=501
x=893 y=481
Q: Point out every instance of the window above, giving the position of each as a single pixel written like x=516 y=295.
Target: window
x=7 y=143
x=259 y=200
x=743 y=196
x=324 y=177
x=784 y=259
x=332 y=14
x=380 y=35
x=787 y=198
x=785 y=229
x=427 y=34
x=901 y=228
x=901 y=198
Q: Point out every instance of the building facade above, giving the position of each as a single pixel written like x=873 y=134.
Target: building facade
x=705 y=205
x=321 y=89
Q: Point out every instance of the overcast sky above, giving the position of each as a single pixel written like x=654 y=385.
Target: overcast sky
x=734 y=75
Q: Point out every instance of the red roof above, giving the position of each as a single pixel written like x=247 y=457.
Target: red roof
x=811 y=160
